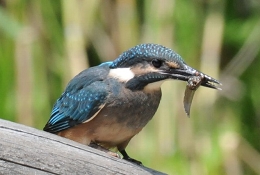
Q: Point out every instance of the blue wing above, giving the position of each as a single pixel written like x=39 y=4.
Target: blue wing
x=83 y=97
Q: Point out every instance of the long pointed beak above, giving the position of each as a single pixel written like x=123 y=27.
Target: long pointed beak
x=187 y=72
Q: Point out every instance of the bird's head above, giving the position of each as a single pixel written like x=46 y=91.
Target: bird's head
x=147 y=66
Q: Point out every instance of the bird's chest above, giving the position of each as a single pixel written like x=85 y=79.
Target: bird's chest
x=132 y=108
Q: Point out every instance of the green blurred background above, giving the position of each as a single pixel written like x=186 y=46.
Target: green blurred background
x=44 y=43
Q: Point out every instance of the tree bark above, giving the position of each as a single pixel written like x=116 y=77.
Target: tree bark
x=25 y=150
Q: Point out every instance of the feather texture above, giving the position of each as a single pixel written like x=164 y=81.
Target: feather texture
x=83 y=97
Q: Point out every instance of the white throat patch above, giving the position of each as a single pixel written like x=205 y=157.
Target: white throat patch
x=122 y=74
x=154 y=86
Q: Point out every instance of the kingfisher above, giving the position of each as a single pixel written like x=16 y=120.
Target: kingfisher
x=107 y=105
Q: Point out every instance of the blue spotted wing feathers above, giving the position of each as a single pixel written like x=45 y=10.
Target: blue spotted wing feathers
x=83 y=97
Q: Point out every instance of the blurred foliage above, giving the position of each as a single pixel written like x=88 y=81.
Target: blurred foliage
x=44 y=43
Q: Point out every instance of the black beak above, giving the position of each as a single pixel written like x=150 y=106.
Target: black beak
x=186 y=72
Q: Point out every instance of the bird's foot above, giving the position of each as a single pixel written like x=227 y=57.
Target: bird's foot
x=126 y=157
x=132 y=160
x=101 y=148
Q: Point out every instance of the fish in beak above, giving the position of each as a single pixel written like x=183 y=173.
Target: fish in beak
x=194 y=80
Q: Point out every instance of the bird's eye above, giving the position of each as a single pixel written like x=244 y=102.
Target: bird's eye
x=157 y=63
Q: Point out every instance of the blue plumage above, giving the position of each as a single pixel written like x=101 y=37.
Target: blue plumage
x=146 y=51
x=82 y=98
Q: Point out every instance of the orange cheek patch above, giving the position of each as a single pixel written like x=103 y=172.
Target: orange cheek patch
x=173 y=64
x=143 y=70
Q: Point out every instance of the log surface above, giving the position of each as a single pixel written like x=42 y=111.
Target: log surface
x=25 y=150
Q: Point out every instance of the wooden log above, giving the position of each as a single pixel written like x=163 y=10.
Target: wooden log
x=25 y=150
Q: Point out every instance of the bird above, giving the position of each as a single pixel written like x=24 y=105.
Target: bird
x=105 y=106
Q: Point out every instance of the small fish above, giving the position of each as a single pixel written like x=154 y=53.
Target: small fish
x=192 y=85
